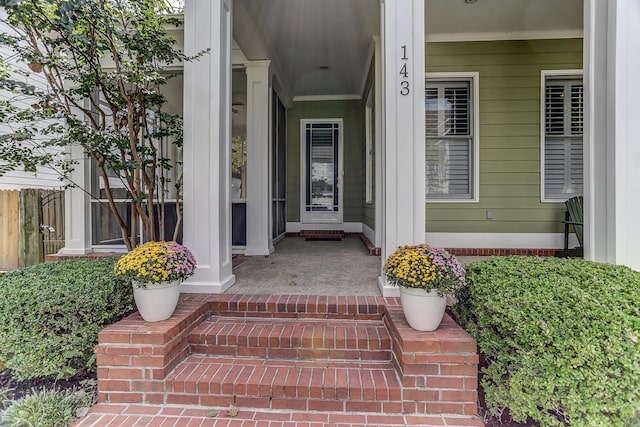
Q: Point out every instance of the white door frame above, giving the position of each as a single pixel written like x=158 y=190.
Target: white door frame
x=321 y=217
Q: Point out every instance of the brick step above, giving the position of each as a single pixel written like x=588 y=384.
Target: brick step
x=177 y=415
x=300 y=307
x=429 y=372
x=322 y=234
x=340 y=385
x=292 y=339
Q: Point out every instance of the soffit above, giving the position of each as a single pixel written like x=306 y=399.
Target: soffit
x=300 y=36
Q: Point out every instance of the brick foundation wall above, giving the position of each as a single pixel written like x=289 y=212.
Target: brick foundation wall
x=439 y=369
x=134 y=357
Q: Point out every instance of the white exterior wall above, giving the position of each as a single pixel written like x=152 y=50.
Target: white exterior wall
x=44 y=177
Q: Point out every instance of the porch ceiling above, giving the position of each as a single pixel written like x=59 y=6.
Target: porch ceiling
x=300 y=36
x=304 y=35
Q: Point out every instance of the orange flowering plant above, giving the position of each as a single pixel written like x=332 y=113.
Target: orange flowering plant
x=424 y=266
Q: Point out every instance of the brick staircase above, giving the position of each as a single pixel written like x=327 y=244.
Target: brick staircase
x=297 y=353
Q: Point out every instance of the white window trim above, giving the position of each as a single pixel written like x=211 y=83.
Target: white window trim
x=543 y=80
x=474 y=76
x=306 y=217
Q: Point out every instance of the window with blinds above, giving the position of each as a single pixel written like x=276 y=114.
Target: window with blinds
x=563 y=128
x=449 y=140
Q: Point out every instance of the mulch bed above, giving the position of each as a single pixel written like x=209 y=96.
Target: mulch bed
x=18 y=389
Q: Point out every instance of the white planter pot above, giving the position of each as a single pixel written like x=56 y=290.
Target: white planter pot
x=157 y=301
x=423 y=310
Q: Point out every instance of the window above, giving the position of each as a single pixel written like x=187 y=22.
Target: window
x=451 y=137
x=369 y=135
x=562 y=135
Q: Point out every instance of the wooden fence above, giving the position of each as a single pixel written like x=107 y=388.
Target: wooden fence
x=31 y=226
x=9 y=201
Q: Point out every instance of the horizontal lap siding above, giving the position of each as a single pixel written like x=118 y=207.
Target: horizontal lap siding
x=45 y=177
x=351 y=112
x=509 y=133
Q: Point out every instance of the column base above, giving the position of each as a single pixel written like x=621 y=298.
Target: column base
x=259 y=252
x=387 y=290
x=75 y=251
x=190 y=287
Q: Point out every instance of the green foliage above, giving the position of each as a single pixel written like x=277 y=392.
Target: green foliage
x=49 y=408
x=50 y=315
x=105 y=63
x=561 y=338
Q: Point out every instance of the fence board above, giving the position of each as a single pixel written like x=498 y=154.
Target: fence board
x=53 y=221
x=30 y=218
x=9 y=229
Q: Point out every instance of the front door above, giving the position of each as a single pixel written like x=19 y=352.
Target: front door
x=321 y=171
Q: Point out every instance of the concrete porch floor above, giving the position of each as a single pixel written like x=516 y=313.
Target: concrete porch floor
x=316 y=267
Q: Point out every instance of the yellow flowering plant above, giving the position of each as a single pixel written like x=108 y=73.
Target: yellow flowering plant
x=424 y=266
x=156 y=262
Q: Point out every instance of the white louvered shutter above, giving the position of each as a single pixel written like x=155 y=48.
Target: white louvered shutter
x=449 y=140
x=563 y=152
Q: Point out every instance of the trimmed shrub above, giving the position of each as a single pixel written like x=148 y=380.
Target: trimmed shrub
x=560 y=338
x=50 y=315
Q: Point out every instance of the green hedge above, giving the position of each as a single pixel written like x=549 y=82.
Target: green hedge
x=561 y=338
x=50 y=315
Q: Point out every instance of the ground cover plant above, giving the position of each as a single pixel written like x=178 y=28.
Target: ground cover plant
x=560 y=339
x=50 y=315
x=51 y=407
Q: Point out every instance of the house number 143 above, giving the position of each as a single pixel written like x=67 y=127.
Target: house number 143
x=404 y=83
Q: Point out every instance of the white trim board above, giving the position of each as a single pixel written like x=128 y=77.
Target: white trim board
x=500 y=240
x=347 y=97
x=369 y=233
x=513 y=35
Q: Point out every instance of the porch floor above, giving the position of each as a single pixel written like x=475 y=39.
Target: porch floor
x=316 y=267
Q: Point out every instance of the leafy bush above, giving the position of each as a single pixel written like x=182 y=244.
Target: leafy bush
x=48 y=408
x=50 y=315
x=560 y=337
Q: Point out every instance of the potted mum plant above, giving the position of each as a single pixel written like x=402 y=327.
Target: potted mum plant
x=156 y=270
x=426 y=275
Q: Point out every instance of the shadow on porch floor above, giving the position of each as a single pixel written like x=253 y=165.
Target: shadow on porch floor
x=317 y=267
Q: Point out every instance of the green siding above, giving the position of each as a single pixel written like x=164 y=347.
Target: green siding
x=509 y=133
x=352 y=114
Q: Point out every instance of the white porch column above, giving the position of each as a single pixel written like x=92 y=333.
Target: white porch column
x=77 y=206
x=207 y=144
x=404 y=164
x=259 y=240
x=612 y=132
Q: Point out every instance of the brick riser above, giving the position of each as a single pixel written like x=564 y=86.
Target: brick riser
x=286 y=384
x=433 y=373
x=292 y=339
